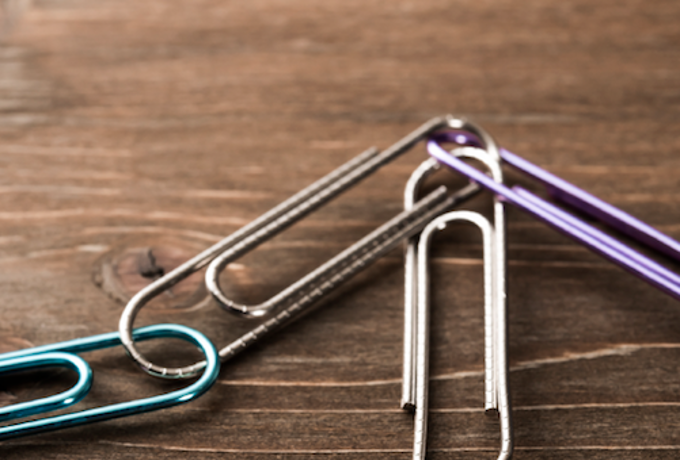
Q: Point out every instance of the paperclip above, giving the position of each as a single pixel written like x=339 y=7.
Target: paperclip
x=297 y=298
x=491 y=160
x=416 y=320
x=62 y=354
x=591 y=237
x=498 y=367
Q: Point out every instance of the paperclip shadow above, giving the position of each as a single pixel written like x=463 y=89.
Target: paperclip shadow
x=62 y=353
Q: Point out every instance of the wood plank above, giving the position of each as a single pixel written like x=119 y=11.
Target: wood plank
x=166 y=125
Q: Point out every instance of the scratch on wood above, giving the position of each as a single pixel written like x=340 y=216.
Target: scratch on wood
x=63 y=151
x=616 y=350
x=380 y=451
x=527 y=263
x=153 y=229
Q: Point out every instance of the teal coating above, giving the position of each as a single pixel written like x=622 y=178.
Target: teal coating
x=50 y=403
x=61 y=354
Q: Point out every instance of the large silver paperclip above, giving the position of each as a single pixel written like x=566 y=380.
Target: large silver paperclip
x=296 y=299
x=417 y=302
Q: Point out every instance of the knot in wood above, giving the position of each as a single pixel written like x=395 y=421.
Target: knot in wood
x=128 y=268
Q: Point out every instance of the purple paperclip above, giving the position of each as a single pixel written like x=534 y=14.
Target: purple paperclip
x=568 y=193
x=589 y=236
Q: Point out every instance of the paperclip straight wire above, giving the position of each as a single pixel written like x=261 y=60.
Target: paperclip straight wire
x=360 y=255
x=601 y=210
x=594 y=239
x=496 y=336
x=423 y=331
x=257 y=232
x=613 y=243
x=418 y=176
x=8 y=363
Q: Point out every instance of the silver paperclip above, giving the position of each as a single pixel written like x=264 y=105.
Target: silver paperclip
x=296 y=299
x=416 y=330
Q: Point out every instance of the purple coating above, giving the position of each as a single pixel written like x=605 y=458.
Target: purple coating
x=601 y=210
x=613 y=243
x=578 y=198
x=582 y=232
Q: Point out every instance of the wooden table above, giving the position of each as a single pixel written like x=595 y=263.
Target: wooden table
x=135 y=134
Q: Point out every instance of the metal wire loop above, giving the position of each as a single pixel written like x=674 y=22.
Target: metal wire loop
x=416 y=311
x=296 y=299
x=62 y=355
x=495 y=370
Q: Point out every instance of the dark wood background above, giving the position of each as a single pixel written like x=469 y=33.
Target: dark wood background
x=164 y=125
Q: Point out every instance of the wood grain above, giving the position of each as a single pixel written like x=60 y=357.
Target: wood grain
x=128 y=125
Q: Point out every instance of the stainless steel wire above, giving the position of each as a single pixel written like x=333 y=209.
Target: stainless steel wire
x=496 y=327
x=423 y=330
x=426 y=168
x=299 y=207
x=416 y=341
x=297 y=298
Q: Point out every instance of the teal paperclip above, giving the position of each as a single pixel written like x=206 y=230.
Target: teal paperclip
x=62 y=355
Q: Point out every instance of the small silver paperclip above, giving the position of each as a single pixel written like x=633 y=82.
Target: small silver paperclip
x=417 y=309
x=298 y=297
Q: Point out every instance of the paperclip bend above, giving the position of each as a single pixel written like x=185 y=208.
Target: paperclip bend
x=49 y=403
x=492 y=306
x=591 y=237
x=62 y=354
x=296 y=299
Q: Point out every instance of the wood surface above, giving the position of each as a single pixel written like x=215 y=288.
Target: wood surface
x=135 y=134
